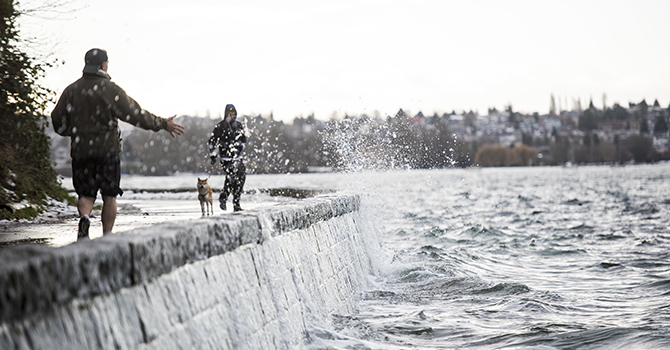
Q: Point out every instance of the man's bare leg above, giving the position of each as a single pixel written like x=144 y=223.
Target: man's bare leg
x=85 y=205
x=108 y=214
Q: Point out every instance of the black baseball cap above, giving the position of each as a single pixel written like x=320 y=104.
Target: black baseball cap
x=94 y=59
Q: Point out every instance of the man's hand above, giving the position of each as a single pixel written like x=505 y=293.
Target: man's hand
x=174 y=128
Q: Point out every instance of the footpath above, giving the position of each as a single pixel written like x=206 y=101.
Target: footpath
x=58 y=225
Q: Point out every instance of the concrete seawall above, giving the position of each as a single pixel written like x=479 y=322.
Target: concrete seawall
x=251 y=280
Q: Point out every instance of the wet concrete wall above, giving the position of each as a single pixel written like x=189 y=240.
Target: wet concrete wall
x=254 y=280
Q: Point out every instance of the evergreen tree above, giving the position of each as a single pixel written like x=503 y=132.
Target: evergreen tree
x=643 y=109
x=587 y=121
x=644 y=127
x=661 y=125
x=620 y=113
x=26 y=172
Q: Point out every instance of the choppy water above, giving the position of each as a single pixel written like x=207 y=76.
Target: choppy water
x=528 y=258
x=505 y=258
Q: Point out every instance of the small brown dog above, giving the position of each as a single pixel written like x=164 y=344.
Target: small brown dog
x=205 y=197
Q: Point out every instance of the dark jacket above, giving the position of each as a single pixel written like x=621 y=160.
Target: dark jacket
x=228 y=139
x=88 y=112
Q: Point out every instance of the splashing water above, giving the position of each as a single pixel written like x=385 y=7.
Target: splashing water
x=362 y=143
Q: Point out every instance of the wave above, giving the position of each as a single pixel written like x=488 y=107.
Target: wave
x=559 y=337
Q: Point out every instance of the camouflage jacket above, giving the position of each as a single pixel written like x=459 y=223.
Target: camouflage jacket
x=89 y=111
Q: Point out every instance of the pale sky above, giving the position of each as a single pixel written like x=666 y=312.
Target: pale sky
x=294 y=57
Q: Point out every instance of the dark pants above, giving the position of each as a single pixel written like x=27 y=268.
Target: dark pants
x=92 y=174
x=235 y=177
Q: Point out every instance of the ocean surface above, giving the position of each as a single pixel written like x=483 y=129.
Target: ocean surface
x=503 y=258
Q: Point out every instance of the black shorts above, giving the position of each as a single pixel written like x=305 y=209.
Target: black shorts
x=92 y=174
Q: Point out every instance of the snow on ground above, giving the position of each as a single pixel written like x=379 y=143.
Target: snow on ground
x=150 y=200
x=58 y=225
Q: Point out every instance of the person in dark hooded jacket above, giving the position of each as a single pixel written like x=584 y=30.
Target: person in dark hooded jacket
x=88 y=111
x=228 y=141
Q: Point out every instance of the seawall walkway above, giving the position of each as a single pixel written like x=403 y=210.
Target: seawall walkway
x=251 y=280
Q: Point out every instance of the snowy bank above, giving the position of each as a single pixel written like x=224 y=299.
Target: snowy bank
x=252 y=280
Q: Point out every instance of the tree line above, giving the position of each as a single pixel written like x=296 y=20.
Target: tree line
x=398 y=142
x=26 y=172
x=617 y=135
x=305 y=145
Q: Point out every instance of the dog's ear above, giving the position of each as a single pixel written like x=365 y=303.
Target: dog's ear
x=199 y=179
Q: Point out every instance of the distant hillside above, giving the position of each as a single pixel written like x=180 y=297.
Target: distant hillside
x=616 y=135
